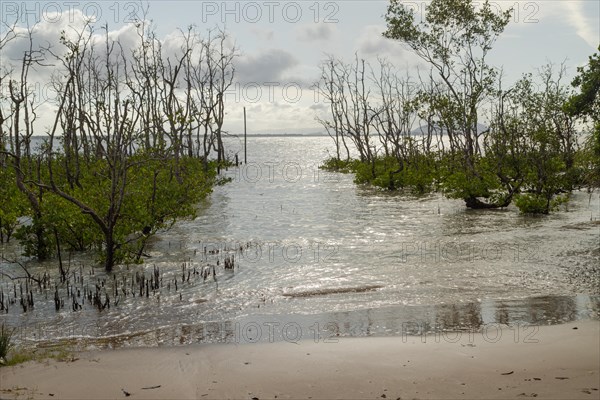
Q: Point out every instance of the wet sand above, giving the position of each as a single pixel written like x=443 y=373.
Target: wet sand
x=560 y=362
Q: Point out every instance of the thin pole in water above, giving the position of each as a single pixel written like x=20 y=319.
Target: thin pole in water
x=245 y=145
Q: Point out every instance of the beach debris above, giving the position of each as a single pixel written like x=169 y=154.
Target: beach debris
x=329 y=291
x=126 y=393
x=508 y=373
x=229 y=262
x=561 y=377
x=151 y=387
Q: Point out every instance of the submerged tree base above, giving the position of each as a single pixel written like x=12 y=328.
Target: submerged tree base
x=474 y=203
x=437 y=173
x=387 y=173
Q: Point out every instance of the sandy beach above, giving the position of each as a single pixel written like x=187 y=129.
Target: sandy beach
x=559 y=362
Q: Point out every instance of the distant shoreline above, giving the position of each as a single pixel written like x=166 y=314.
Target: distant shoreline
x=283 y=135
x=238 y=135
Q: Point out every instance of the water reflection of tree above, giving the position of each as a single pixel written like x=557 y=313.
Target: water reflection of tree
x=451 y=317
x=502 y=314
x=536 y=310
x=594 y=307
x=551 y=309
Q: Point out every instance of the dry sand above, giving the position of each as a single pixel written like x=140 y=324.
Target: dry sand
x=563 y=364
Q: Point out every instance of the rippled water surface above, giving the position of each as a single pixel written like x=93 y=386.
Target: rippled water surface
x=315 y=251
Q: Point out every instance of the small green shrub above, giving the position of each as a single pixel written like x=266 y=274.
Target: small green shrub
x=530 y=203
x=61 y=353
x=335 y=165
x=5 y=341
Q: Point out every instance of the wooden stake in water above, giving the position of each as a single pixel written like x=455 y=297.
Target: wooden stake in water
x=245 y=141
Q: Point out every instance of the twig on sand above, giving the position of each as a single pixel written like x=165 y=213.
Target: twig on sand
x=151 y=387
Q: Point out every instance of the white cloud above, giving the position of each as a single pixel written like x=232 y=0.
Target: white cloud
x=566 y=17
x=582 y=23
x=315 y=32
x=371 y=43
x=265 y=35
x=274 y=117
x=265 y=66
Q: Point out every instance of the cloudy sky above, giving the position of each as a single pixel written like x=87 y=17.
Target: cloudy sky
x=282 y=42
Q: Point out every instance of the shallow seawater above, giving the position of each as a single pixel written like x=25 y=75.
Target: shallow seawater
x=316 y=254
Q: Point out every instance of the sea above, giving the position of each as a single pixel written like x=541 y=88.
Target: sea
x=318 y=257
